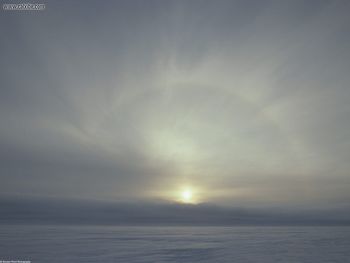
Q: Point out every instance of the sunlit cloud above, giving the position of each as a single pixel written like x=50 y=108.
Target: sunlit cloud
x=242 y=103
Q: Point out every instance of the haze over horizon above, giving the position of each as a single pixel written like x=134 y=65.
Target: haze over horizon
x=231 y=104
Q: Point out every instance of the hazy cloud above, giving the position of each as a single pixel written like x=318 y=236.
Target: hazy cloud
x=247 y=101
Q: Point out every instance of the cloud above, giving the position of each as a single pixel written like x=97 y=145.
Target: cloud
x=55 y=211
x=247 y=101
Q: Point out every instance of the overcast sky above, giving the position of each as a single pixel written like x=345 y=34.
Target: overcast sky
x=245 y=102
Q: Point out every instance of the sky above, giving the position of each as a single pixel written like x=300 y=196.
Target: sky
x=243 y=103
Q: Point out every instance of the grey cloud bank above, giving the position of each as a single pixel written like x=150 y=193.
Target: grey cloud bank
x=77 y=212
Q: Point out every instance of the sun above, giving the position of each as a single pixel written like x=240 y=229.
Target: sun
x=187 y=196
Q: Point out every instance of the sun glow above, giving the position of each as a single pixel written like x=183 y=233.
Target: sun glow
x=187 y=196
